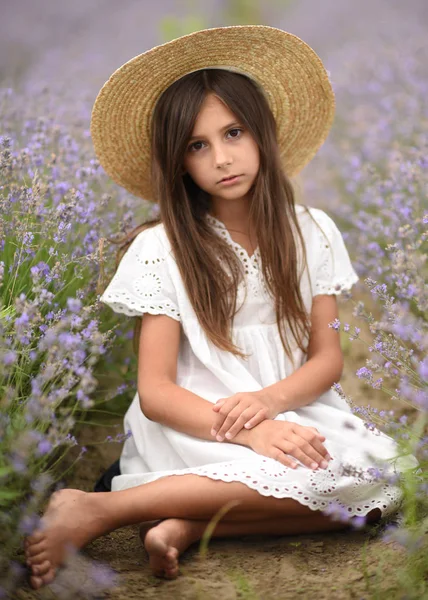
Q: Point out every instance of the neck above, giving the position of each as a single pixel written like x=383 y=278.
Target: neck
x=234 y=215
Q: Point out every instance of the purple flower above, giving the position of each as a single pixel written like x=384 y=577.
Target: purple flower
x=28 y=524
x=9 y=358
x=337 y=512
x=74 y=304
x=22 y=320
x=335 y=325
x=423 y=369
x=19 y=464
x=358 y=522
x=44 y=447
x=102 y=576
x=364 y=373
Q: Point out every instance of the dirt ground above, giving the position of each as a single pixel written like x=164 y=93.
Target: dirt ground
x=336 y=566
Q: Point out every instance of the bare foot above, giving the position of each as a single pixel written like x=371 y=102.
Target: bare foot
x=70 y=522
x=146 y=526
x=166 y=541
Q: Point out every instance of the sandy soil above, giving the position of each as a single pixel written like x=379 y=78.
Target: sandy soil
x=306 y=566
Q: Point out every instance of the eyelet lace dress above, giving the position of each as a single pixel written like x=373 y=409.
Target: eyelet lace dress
x=148 y=281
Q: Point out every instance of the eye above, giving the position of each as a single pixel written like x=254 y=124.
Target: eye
x=235 y=129
x=192 y=148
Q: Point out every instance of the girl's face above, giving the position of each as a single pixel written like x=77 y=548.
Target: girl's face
x=220 y=147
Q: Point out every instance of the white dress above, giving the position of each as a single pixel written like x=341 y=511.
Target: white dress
x=148 y=281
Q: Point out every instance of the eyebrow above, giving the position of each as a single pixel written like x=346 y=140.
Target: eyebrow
x=197 y=137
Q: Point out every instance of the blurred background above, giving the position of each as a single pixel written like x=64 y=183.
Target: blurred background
x=374 y=51
x=80 y=43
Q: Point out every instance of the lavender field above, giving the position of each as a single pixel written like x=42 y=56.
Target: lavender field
x=67 y=364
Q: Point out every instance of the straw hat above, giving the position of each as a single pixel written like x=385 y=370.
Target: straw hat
x=289 y=72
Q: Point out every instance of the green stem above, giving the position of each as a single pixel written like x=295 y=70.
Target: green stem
x=67 y=470
x=90 y=423
x=59 y=459
x=387 y=391
x=106 y=412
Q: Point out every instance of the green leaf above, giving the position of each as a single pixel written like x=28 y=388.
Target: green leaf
x=5 y=471
x=7 y=495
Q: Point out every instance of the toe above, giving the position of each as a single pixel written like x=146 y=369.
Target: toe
x=171 y=567
x=35 y=549
x=36 y=582
x=171 y=564
x=42 y=568
x=49 y=576
x=36 y=537
x=172 y=552
x=171 y=557
x=37 y=560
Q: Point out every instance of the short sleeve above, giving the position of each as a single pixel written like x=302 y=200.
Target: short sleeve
x=142 y=283
x=334 y=272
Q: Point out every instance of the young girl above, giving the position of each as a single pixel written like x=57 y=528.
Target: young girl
x=237 y=285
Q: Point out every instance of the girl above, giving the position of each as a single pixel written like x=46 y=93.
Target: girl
x=237 y=286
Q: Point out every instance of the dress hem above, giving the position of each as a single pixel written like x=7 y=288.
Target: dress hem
x=386 y=510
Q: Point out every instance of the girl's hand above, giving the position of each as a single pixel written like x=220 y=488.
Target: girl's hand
x=276 y=439
x=245 y=409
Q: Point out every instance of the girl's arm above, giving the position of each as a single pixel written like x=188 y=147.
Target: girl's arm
x=161 y=399
x=324 y=364
x=182 y=410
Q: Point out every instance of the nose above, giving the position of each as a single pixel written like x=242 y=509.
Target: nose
x=221 y=156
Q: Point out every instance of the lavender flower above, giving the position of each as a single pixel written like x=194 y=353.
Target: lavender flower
x=51 y=338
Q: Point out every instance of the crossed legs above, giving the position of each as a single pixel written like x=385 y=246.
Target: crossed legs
x=183 y=503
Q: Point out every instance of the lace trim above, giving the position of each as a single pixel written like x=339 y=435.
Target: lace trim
x=316 y=489
x=388 y=498
x=255 y=282
x=149 y=296
x=336 y=287
x=251 y=264
x=134 y=307
x=326 y=270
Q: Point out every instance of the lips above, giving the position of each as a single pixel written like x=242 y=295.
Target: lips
x=227 y=178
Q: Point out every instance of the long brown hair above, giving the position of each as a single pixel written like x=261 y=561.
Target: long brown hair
x=183 y=206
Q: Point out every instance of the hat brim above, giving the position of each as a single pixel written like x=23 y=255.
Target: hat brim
x=291 y=74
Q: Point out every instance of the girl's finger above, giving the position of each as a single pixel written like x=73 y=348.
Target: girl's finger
x=219 y=419
x=239 y=423
x=219 y=424
x=282 y=457
x=316 y=443
x=258 y=418
x=218 y=404
x=234 y=421
x=317 y=432
x=305 y=452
